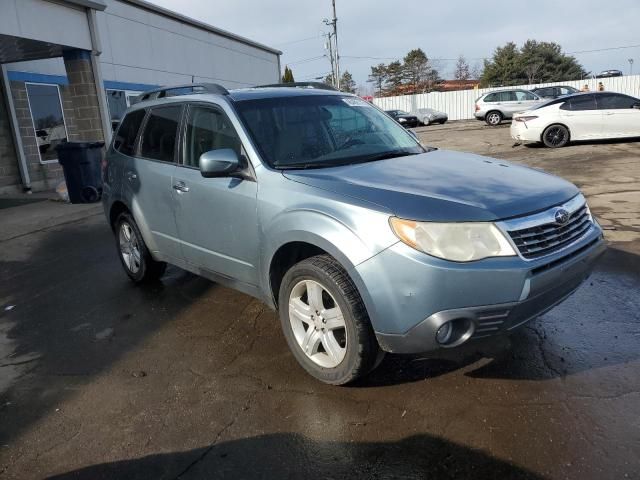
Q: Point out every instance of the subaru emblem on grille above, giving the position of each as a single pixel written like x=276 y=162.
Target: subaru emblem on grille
x=561 y=216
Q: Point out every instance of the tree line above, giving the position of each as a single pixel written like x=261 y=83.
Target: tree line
x=347 y=83
x=534 y=62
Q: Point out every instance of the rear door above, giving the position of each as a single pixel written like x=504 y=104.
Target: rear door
x=216 y=217
x=620 y=118
x=508 y=103
x=525 y=100
x=581 y=115
x=147 y=180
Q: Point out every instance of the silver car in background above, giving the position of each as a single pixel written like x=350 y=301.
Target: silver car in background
x=429 y=116
x=494 y=107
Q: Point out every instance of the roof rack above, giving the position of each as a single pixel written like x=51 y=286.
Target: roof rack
x=186 y=89
x=316 y=85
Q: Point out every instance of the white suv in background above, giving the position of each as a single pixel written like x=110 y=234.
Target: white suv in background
x=494 y=107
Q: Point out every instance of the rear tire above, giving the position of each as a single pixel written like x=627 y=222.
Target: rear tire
x=325 y=322
x=134 y=255
x=493 y=118
x=556 y=136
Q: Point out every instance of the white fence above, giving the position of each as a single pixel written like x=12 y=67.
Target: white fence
x=460 y=105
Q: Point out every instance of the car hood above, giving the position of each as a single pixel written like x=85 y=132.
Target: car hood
x=443 y=186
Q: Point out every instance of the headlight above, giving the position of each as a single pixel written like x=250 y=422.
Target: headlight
x=459 y=242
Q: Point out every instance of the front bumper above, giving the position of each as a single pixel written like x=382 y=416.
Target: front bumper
x=409 y=295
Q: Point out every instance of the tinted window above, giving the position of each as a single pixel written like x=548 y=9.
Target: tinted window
x=544 y=92
x=125 y=138
x=159 y=136
x=581 y=102
x=117 y=102
x=612 y=101
x=491 y=98
x=208 y=129
x=567 y=90
x=509 y=96
x=524 y=96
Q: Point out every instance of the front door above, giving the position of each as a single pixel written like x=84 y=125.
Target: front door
x=216 y=217
x=582 y=116
x=619 y=117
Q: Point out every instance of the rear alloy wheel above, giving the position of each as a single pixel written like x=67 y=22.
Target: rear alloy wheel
x=325 y=322
x=555 y=136
x=138 y=263
x=493 y=119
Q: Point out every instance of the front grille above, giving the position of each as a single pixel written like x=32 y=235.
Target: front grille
x=546 y=238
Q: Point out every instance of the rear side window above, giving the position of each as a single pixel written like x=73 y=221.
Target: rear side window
x=611 y=101
x=582 y=102
x=490 y=98
x=125 y=139
x=159 y=135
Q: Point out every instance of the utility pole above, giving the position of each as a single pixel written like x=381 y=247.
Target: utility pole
x=329 y=46
x=336 y=56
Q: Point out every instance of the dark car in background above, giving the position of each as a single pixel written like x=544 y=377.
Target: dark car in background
x=556 y=91
x=404 y=118
x=609 y=74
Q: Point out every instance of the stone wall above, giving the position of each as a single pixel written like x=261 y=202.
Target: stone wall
x=9 y=173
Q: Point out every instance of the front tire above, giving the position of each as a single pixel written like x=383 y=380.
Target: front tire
x=555 y=136
x=325 y=322
x=494 y=118
x=134 y=255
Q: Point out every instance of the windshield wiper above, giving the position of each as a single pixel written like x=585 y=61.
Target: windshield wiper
x=389 y=154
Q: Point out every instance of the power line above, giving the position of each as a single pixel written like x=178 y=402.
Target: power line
x=603 y=49
x=298 y=41
x=305 y=60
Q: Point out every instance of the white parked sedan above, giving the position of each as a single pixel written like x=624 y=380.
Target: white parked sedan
x=583 y=116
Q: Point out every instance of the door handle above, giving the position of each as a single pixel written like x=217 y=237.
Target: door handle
x=131 y=176
x=609 y=113
x=180 y=187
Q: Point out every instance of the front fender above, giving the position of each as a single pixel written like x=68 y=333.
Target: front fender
x=351 y=239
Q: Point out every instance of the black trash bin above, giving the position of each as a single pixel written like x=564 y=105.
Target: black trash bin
x=82 y=171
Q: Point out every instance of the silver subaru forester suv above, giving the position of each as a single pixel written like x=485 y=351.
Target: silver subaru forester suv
x=325 y=208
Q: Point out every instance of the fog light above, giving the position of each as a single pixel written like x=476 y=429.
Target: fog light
x=443 y=335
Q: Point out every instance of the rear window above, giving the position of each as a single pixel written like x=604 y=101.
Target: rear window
x=125 y=139
x=580 y=102
x=159 y=136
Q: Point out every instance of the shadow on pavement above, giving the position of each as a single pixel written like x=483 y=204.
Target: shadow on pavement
x=287 y=455
x=73 y=314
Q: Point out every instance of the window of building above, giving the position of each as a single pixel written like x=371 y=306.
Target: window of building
x=48 y=119
x=118 y=101
x=159 y=135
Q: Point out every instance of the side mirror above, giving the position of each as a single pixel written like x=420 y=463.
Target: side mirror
x=222 y=162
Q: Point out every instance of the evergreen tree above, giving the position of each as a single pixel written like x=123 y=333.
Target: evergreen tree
x=378 y=77
x=288 y=75
x=347 y=83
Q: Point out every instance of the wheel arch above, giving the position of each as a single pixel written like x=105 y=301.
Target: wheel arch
x=117 y=208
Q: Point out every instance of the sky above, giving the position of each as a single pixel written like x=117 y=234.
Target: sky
x=373 y=32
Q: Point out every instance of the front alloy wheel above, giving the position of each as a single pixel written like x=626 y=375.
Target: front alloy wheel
x=317 y=324
x=494 y=119
x=325 y=321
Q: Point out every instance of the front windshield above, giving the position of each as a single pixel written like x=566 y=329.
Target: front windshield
x=314 y=131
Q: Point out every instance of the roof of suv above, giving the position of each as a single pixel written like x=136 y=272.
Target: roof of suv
x=277 y=92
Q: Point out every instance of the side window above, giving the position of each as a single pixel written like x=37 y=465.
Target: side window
x=579 y=103
x=508 y=96
x=208 y=129
x=492 y=97
x=611 y=101
x=125 y=138
x=159 y=135
x=524 y=96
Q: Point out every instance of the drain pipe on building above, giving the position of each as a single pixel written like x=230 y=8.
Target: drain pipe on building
x=96 y=50
x=15 y=131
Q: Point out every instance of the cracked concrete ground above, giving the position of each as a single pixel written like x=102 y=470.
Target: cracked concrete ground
x=186 y=379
